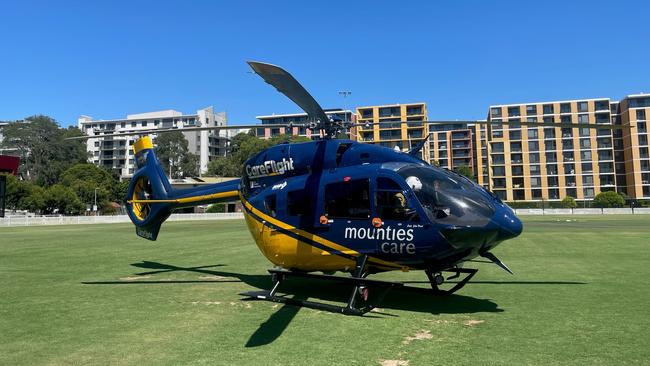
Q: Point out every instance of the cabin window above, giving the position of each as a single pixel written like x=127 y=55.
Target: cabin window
x=298 y=203
x=270 y=205
x=391 y=202
x=348 y=199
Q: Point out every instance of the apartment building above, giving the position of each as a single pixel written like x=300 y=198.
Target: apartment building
x=550 y=163
x=116 y=152
x=632 y=112
x=268 y=132
x=387 y=132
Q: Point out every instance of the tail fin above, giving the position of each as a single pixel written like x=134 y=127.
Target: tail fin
x=151 y=199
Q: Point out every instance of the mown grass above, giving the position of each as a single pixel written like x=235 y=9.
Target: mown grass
x=96 y=294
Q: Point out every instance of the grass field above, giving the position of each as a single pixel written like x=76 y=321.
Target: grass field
x=96 y=294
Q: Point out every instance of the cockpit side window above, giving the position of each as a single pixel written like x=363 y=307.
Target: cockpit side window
x=270 y=205
x=391 y=202
x=348 y=199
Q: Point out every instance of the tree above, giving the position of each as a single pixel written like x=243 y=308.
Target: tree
x=43 y=148
x=466 y=171
x=569 y=202
x=224 y=167
x=86 y=180
x=62 y=200
x=216 y=208
x=609 y=199
x=173 y=152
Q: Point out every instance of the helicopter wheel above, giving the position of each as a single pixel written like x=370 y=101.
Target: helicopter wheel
x=364 y=292
x=439 y=279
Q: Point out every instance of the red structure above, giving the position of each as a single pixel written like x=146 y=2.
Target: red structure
x=9 y=164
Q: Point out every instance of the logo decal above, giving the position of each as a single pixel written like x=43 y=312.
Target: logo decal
x=279 y=186
x=269 y=168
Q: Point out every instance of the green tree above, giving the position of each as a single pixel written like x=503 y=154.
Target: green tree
x=609 y=199
x=465 y=170
x=63 y=200
x=224 y=167
x=216 y=208
x=569 y=202
x=118 y=191
x=173 y=153
x=43 y=148
x=87 y=179
x=35 y=200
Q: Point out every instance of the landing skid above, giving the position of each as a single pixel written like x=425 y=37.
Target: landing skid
x=360 y=301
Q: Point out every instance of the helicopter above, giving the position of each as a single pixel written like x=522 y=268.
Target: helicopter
x=336 y=205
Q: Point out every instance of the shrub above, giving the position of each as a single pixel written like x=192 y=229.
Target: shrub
x=569 y=202
x=609 y=199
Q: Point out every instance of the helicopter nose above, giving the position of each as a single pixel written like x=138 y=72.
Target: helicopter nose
x=509 y=226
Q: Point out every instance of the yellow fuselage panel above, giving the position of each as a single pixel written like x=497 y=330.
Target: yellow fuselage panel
x=288 y=252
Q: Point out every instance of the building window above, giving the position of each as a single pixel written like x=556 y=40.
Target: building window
x=583 y=118
x=499 y=171
x=531 y=110
x=532 y=133
x=514 y=111
x=601 y=105
x=640 y=114
x=565 y=108
x=548 y=109
x=495 y=112
x=583 y=107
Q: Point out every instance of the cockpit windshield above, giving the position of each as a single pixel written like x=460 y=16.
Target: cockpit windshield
x=446 y=197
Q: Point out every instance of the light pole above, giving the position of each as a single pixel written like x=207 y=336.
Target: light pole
x=95 y=205
x=346 y=94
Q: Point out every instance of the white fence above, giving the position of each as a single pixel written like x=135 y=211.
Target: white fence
x=582 y=211
x=73 y=220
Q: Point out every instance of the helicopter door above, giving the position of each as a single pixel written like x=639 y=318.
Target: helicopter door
x=347 y=199
x=391 y=202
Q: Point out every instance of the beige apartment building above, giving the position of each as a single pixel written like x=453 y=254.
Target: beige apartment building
x=550 y=163
x=388 y=132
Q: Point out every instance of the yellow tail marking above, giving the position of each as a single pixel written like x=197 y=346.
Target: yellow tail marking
x=204 y=197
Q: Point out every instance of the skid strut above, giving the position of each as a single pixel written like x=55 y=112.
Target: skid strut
x=359 y=302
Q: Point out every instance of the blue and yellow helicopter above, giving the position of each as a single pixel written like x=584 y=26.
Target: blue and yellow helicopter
x=338 y=205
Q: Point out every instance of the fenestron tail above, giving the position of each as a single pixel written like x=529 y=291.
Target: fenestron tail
x=150 y=198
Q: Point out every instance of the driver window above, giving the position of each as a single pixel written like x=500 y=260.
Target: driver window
x=391 y=203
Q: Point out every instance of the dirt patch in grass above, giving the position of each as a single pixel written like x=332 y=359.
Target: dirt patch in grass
x=134 y=278
x=423 y=334
x=473 y=322
x=394 y=362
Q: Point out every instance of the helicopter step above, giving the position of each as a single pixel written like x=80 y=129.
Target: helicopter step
x=359 y=302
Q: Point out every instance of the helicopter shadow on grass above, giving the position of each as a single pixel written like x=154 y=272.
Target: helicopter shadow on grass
x=404 y=299
x=318 y=290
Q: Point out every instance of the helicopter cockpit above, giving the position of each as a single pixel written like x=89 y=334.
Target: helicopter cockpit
x=447 y=198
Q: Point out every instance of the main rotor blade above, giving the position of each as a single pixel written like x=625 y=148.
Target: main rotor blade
x=528 y=124
x=186 y=129
x=289 y=86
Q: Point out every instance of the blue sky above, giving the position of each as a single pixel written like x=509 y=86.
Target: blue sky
x=107 y=59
